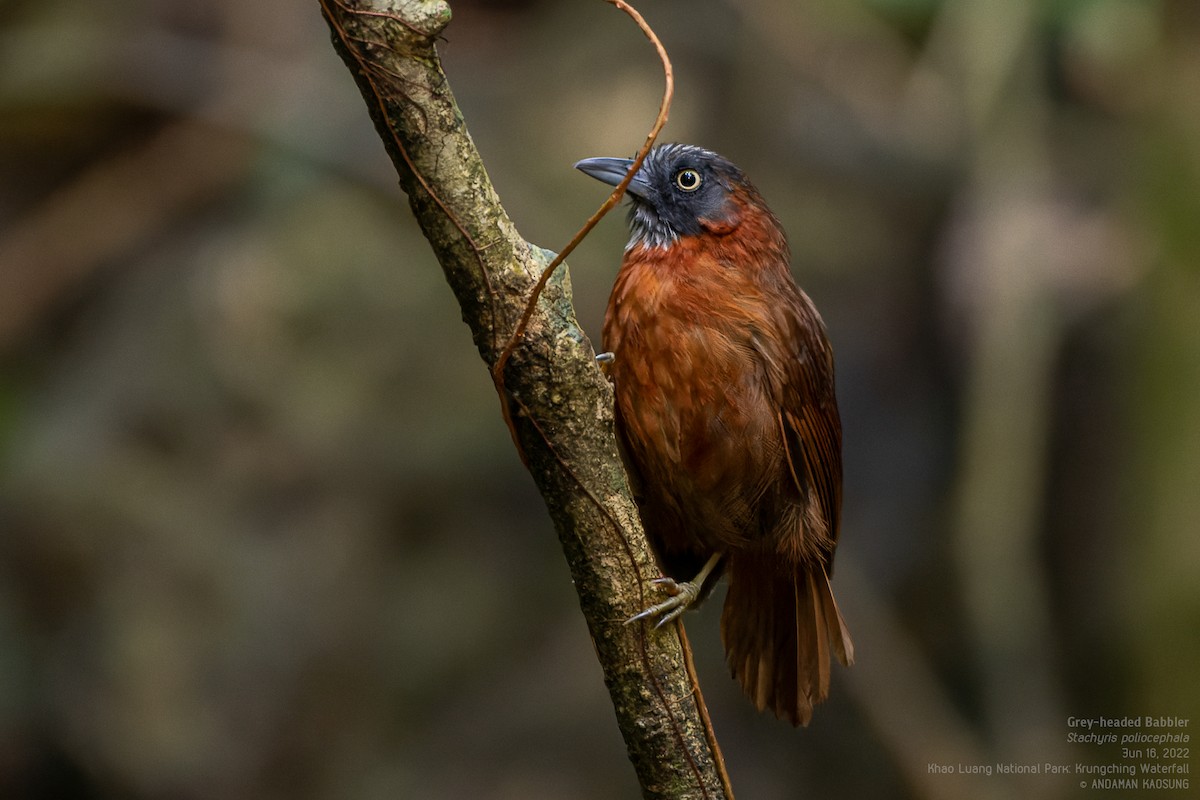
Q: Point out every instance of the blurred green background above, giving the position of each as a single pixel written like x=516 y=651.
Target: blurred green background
x=263 y=533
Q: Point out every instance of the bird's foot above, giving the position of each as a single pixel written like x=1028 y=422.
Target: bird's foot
x=681 y=597
x=606 y=358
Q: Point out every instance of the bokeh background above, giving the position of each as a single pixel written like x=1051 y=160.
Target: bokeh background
x=263 y=533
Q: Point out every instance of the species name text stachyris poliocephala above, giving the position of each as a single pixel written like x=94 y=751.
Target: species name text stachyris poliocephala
x=726 y=411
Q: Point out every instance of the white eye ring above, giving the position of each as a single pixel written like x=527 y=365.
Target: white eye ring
x=688 y=180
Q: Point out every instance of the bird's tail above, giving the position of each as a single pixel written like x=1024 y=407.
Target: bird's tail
x=778 y=627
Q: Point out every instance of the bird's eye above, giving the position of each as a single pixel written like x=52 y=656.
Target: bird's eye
x=688 y=180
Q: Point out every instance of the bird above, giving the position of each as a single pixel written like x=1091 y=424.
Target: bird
x=727 y=420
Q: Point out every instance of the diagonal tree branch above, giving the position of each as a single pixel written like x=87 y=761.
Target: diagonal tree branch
x=557 y=403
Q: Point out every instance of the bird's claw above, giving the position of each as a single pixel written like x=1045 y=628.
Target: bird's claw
x=606 y=358
x=680 y=599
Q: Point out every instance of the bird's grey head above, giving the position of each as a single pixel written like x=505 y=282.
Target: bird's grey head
x=680 y=190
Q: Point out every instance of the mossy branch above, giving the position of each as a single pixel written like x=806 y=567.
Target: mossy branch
x=556 y=401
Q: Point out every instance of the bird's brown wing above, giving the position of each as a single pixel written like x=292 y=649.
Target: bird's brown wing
x=803 y=386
